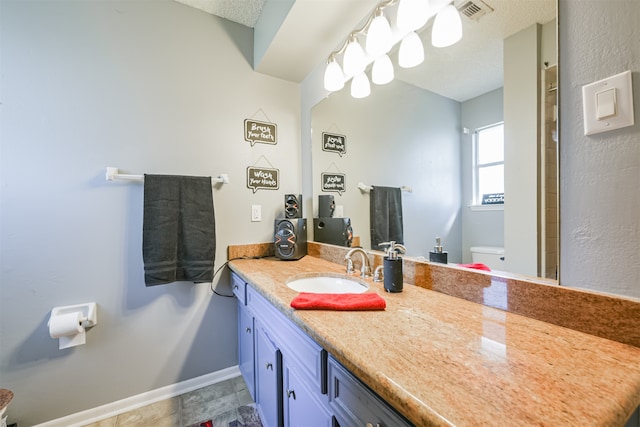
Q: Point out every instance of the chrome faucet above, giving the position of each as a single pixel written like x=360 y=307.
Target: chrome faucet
x=365 y=271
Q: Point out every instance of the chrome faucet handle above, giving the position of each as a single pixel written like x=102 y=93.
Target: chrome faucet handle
x=378 y=275
x=350 y=269
x=366 y=270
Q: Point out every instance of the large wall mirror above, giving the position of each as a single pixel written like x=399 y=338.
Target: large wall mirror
x=419 y=130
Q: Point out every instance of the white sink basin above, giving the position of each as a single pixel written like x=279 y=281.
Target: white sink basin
x=327 y=284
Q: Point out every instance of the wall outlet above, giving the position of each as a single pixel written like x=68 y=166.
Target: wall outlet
x=256 y=213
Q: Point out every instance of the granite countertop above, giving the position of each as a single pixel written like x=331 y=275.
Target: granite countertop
x=6 y=396
x=442 y=360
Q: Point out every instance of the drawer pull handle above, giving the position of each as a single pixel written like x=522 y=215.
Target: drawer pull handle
x=236 y=287
x=269 y=365
x=291 y=393
x=248 y=330
x=371 y=425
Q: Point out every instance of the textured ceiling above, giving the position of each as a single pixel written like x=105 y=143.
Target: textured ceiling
x=474 y=65
x=314 y=28
x=245 y=12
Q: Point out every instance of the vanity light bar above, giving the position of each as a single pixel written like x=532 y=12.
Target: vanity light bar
x=411 y=16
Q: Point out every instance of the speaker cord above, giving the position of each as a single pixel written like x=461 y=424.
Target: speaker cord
x=214 y=288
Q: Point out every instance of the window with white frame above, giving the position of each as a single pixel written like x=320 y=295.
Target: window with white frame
x=488 y=162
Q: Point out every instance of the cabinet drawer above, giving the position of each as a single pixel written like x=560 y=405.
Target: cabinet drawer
x=309 y=356
x=239 y=288
x=354 y=404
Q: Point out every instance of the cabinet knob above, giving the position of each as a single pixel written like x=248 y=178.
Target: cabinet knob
x=291 y=393
x=269 y=365
x=371 y=425
x=248 y=330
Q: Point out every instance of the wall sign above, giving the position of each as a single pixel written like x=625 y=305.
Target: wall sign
x=262 y=132
x=493 y=199
x=334 y=182
x=262 y=178
x=334 y=143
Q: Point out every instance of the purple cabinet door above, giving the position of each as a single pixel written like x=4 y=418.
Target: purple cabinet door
x=245 y=347
x=268 y=370
x=302 y=406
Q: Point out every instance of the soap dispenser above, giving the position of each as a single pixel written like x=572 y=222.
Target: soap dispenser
x=393 y=276
x=438 y=255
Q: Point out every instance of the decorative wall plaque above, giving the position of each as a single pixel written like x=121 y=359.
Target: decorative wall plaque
x=334 y=142
x=334 y=182
x=262 y=178
x=260 y=132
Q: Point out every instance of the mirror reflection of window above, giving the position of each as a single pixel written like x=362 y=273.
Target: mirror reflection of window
x=488 y=161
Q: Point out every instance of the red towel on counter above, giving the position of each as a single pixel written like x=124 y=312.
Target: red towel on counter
x=345 y=302
x=477 y=266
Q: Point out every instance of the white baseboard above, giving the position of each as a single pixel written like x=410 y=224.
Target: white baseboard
x=118 y=407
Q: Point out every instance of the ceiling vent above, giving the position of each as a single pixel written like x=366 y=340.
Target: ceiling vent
x=475 y=9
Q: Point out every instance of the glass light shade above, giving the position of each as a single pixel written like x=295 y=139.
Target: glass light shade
x=354 y=58
x=447 y=27
x=412 y=14
x=382 y=71
x=411 y=51
x=379 y=36
x=360 y=87
x=333 y=77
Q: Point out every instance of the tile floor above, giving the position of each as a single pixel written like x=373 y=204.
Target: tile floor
x=219 y=402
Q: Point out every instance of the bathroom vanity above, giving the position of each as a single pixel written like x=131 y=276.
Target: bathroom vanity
x=292 y=378
x=428 y=359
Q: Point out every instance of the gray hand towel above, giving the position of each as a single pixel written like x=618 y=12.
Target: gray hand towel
x=178 y=232
x=385 y=211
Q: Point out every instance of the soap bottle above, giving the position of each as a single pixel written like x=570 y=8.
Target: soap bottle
x=393 y=275
x=438 y=255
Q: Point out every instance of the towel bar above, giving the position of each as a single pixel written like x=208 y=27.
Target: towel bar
x=112 y=174
x=365 y=187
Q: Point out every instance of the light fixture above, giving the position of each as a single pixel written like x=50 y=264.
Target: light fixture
x=447 y=27
x=354 y=58
x=411 y=51
x=412 y=14
x=382 y=70
x=360 y=87
x=379 y=35
x=333 y=76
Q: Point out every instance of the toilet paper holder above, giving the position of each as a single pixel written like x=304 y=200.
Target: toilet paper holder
x=89 y=312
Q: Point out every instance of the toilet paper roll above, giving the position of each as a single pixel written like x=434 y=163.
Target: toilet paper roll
x=64 y=325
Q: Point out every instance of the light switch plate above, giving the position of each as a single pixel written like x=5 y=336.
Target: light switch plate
x=622 y=110
x=256 y=213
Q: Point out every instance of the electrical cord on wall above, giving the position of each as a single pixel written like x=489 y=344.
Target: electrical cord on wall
x=213 y=289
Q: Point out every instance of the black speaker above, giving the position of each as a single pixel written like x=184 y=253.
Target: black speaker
x=293 y=205
x=326 y=206
x=290 y=238
x=336 y=231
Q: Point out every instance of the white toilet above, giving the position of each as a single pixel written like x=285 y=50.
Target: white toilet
x=491 y=256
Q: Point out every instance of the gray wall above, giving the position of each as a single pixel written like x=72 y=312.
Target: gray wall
x=480 y=227
x=149 y=87
x=599 y=174
x=400 y=135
